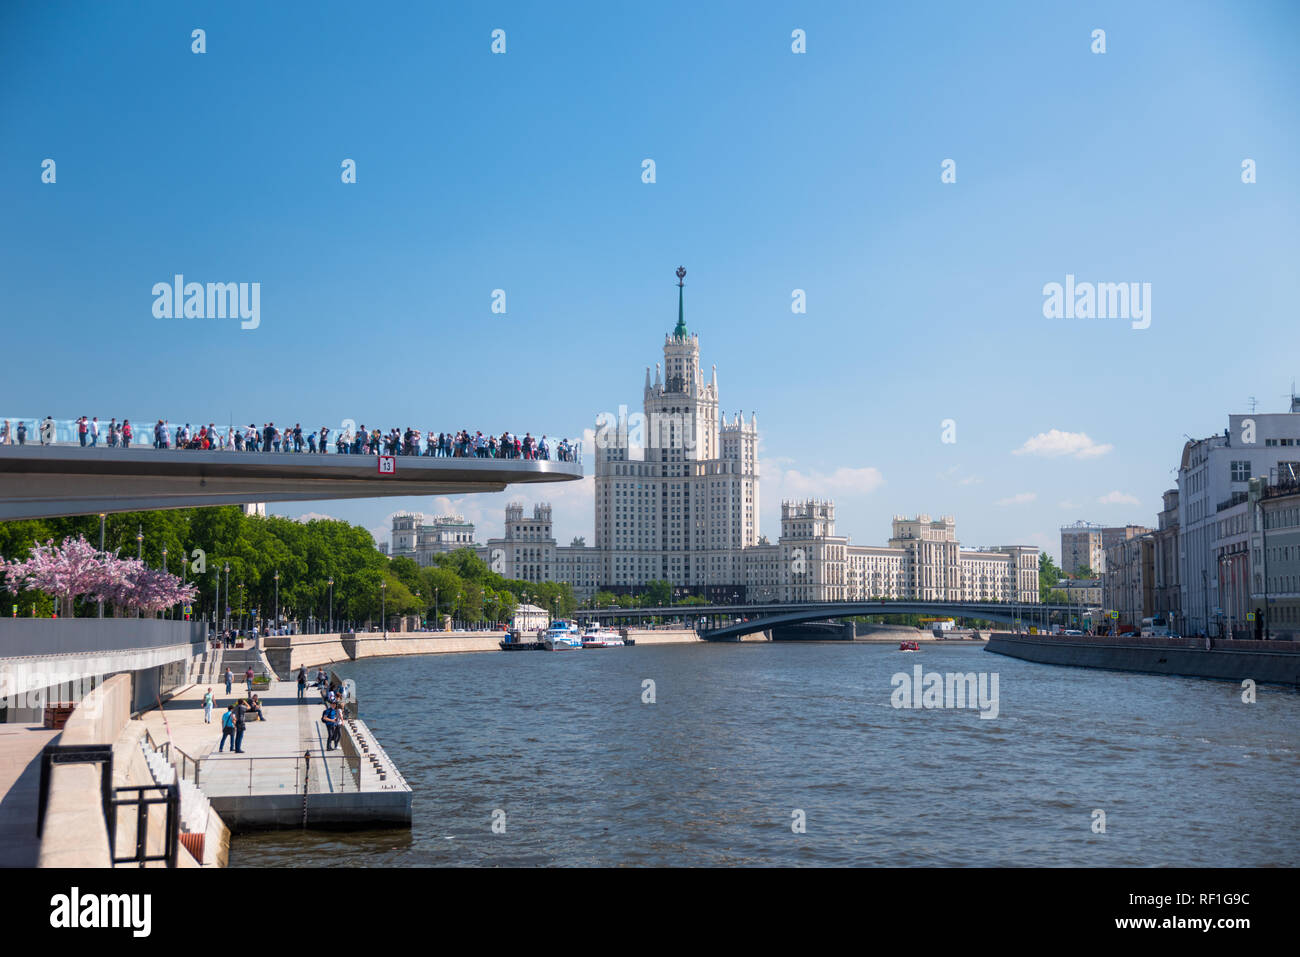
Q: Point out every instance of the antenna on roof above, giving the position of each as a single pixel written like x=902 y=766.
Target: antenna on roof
x=1253 y=403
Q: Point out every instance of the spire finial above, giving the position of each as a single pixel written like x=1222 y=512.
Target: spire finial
x=680 y=331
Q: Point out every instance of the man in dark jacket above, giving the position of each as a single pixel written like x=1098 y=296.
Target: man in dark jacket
x=241 y=709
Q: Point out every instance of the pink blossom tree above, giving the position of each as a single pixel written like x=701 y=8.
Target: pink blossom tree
x=74 y=568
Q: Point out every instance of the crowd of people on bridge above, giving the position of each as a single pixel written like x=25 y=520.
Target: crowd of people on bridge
x=270 y=438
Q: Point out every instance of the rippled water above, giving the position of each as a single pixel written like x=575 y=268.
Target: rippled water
x=741 y=735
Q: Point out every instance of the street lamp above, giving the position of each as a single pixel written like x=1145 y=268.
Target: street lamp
x=435 y=607
x=331 y=584
x=383 y=606
x=101 y=548
x=226 y=617
x=139 y=552
x=164 y=556
x=277 y=598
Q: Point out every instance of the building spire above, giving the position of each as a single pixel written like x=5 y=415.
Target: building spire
x=680 y=331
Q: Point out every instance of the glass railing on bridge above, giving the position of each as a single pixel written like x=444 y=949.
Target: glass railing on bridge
x=111 y=433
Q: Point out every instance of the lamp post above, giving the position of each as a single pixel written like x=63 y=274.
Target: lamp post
x=417 y=603
x=383 y=606
x=277 y=598
x=226 y=617
x=164 y=556
x=331 y=584
x=139 y=552
x=435 y=607
x=101 y=548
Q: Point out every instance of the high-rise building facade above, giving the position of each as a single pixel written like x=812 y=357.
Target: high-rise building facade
x=677 y=500
x=677 y=491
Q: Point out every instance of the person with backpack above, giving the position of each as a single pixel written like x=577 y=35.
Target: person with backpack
x=228 y=728
x=302 y=682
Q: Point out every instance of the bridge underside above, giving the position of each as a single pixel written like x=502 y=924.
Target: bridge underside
x=1009 y=614
x=51 y=481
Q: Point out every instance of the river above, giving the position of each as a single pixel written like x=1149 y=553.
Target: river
x=741 y=738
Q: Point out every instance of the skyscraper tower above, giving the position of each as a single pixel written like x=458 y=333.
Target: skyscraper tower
x=682 y=505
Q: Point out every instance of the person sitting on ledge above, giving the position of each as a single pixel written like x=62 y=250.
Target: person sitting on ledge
x=255 y=707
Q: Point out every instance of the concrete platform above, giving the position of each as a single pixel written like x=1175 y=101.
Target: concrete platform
x=285 y=777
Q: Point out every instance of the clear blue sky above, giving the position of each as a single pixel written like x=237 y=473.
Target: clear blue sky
x=775 y=171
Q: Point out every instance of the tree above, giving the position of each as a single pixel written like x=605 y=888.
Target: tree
x=658 y=593
x=1048 y=575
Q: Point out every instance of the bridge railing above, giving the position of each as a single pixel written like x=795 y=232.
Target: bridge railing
x=66 y=432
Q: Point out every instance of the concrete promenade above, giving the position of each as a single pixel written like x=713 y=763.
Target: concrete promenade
x=20 y=775
x=272 y=783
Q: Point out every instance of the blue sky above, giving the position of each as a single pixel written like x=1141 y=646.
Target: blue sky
x=775 y=172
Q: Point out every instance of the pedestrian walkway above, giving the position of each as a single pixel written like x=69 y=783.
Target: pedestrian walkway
x=284 y=777
x=20 y=776
x=273 y=749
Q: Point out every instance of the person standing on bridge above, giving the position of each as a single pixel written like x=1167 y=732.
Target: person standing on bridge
x=207 y=707
x=94 y=432
x=302 y=682
x=230 y=676
x=248 y=676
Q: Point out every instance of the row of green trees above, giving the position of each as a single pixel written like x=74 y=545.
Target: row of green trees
x=222 y=544
x=657 y=594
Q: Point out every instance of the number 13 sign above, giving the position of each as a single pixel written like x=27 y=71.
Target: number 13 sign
x=387 y=465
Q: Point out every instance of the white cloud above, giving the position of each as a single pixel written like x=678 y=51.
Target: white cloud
x=794 y=484
x=1020 y=498
x=306 y=517
x=953 y=474
x=1056 y=443
x=1117 y=498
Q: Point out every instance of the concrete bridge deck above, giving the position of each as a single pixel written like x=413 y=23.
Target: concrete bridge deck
x=48 y=481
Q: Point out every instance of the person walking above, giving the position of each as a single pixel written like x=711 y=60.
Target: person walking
x=328 y=717
x=94 y=432
x=207 y=707
x=229 y=678
x=241 y=709
x=228 y=727
x=302 y=683
x=248 y=677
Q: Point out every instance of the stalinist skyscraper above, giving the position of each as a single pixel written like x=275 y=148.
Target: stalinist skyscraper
x=677 y=492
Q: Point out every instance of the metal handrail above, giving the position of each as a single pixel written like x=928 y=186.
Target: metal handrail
x=302 y=765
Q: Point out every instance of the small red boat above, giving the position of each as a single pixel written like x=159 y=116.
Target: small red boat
x=908 y=646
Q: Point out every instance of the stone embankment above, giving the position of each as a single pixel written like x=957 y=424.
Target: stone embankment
x=287 y=653
x=1268 y=662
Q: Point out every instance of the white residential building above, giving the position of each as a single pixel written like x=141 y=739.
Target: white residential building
x=1213 y=477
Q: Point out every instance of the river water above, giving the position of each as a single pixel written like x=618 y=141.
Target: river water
x=742 y=737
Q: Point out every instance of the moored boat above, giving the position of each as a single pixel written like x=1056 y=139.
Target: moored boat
x=562 y=636
x=909 y=646
x=597 y=636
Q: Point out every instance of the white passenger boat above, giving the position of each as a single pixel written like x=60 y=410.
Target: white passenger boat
x=597 y=636
x=562 y=635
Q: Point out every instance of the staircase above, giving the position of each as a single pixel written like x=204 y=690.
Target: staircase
x=194 y=803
